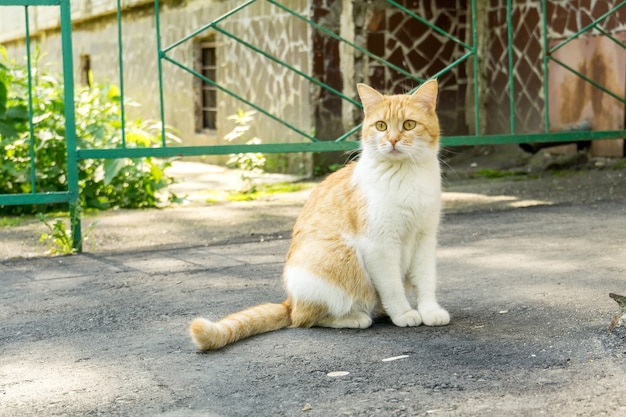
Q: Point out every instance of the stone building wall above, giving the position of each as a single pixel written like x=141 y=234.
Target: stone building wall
x=411 y=45
x=270 y=85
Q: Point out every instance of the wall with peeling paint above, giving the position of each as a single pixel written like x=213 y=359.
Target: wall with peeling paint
x=573 y=100
x=564 y=18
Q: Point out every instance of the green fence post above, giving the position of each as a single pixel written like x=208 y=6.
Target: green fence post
x=509 y=24
x=477 y=131
x=70 y=125
x=120 y=58
x=31 y=127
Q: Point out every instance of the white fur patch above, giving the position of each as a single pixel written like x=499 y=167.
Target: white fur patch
x=303 y=285
x=401 y=195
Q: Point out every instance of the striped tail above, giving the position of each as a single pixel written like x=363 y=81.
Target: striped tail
x=263 y=318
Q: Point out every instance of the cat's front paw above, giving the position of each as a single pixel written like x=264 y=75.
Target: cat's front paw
x=409 y=319
x=434 y=316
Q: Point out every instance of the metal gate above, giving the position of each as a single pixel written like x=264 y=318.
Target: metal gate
x=494 y=61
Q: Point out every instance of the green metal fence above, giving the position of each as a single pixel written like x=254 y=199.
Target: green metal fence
x=469 y=58
x=71 y=196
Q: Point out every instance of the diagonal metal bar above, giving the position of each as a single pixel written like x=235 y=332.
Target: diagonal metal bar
x=586 y=28
x=349 y=133
x=450 y=66
x=284 y=64
x=430 y=25
x=347 y=42
x=589 y=80
x=447 y=68
x=238 y=97
x=611 y=37
x=208 y=25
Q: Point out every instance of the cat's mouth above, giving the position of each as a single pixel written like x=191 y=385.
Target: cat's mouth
x=395 y=150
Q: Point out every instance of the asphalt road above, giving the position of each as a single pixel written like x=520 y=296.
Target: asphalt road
x=105 y=334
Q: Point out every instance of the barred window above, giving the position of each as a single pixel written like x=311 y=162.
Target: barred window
x=208 y=92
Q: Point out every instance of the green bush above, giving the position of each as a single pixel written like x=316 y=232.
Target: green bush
x=249 y=164
x=125 y=183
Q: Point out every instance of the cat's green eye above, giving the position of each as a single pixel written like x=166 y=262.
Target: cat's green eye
x=382 y=126
x=409 y=124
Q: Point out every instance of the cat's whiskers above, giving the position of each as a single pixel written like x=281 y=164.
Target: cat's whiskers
x=353 y=155
x=442 y=161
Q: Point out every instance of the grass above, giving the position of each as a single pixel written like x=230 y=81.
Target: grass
x=496 y=173
x=11 y=221
x=18 y=220
x=260 y=192
x=59 y=238
x=620 y=165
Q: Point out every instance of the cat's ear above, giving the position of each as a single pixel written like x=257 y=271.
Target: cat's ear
x=368 y=95
x=426 y=94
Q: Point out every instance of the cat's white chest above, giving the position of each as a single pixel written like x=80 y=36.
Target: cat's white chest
x=401 y=201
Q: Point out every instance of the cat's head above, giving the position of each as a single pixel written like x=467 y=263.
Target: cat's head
x=403 y=126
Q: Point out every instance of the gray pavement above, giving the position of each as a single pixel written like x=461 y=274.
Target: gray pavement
x=525 y=276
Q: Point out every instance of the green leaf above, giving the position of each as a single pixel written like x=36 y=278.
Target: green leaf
x=18 y=112
x=3 y=98
x=7 y=130
x=113 y=93
x=112 y=167
x=103 y=183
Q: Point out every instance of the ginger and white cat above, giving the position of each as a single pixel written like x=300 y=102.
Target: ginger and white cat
x=364 y=244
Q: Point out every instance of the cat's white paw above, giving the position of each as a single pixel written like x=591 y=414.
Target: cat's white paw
x=434 y=316
x=361 y=321
x=409 y=319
